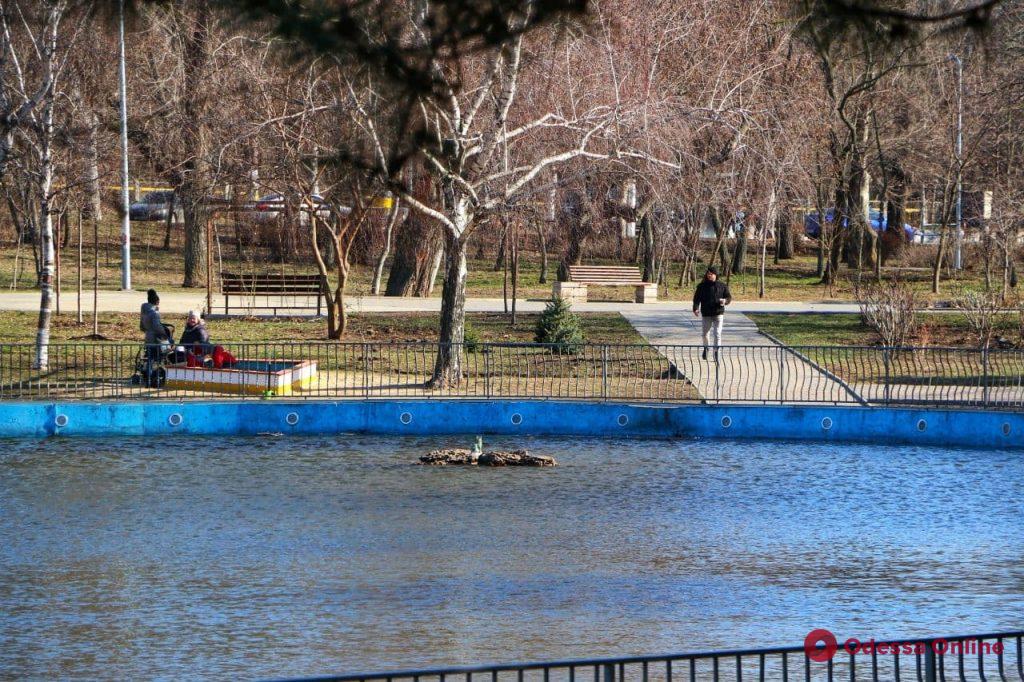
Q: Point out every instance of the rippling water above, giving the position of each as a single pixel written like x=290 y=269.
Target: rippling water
x=203 y=557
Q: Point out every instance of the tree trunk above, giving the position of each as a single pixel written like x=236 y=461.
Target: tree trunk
x=542 y=244
x=46 y=266
x=195 y=236
x=937 y=266
x=416 y=243
x=448 y=367
x=92 y=166
x=783 y=237
x=171 y=208
x=194 y=59
x=649 y=252
x=740 y=254
x=499 y=258
x=435 y=267
x=719 y=249
x=389 y=228
x=577 y=221
x=337 y=316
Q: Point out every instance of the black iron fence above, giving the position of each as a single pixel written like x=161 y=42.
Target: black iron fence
x=995 y=656
x=655 y=373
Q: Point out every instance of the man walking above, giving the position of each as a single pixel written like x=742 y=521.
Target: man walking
x=709 y=301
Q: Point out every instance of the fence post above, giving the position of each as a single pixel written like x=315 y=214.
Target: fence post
x=984 y=376
x=604 y=390
x=782 y=375
x=366 y=370
x=609 y=672
x=487 y=370
x=885 y=355
x=718 y=385
x=929 y=662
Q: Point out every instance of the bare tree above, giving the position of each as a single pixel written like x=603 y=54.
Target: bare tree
x=35 y=49
x=980 y=309
x=890 y=308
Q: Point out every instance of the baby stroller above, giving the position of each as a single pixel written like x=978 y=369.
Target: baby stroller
x=150 y=361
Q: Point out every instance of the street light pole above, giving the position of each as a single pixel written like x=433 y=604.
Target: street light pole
x=957 y=256
x=126 y=225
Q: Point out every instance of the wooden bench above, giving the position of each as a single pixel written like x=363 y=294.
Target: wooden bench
x=278 y=286
x=581 y=276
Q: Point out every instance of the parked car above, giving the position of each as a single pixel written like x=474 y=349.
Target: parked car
x=878 y=222
x=154 y=206
x=270 y=207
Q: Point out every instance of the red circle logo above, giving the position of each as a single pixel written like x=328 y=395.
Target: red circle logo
x=820 y=645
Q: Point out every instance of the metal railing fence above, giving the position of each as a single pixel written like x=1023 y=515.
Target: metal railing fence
x=767 y=374
x=996 y=656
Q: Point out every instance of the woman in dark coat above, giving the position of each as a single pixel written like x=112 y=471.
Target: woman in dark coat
x=195 y=334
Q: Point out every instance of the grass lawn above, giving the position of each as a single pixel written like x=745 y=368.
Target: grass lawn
x=382 y=327
x=834 y=329
x=793 y=280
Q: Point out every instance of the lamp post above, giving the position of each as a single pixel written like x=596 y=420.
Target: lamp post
x=957 y=255
x=126 y=225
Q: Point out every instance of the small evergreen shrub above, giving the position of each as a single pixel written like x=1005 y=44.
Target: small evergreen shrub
x=561 y=327
x=471 y=339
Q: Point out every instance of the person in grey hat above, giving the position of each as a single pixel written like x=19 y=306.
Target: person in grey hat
x=709 y=301
x=195 y=334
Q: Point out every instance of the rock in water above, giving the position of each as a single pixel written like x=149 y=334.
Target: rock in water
x=496 y=458
x=515 y=458
x=449 y=456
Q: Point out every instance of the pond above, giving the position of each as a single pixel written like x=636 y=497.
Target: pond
x=271 y=557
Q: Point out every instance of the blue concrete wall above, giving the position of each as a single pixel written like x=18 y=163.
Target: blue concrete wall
x=425 y=417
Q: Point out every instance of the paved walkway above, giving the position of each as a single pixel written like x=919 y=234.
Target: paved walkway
x=753 y=368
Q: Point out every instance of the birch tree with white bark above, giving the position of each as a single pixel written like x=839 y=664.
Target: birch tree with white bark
x=34 y=50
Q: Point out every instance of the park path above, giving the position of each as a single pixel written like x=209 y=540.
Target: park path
x=751 y=367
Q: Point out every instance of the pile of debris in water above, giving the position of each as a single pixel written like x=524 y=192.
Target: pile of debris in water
x=495 y=458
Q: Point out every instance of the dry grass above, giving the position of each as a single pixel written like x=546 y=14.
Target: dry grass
x=391 y=327
x=793 y=280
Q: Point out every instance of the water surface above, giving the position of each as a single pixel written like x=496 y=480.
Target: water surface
x=263 y=557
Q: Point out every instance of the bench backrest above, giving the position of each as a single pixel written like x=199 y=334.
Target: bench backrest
x=270 y=284
x=605 y=274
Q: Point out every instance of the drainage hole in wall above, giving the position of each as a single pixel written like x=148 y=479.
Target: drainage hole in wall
x=405 y=418
x=1006 y=428
x=292 y=418
x=726 y=422
x=175 y=419
x=61 y=420
x=517 y=419
x=922 y=425
x=826 y=423
x=622 y=420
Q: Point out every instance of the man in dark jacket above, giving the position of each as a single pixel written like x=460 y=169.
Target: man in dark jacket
x=709 y=301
